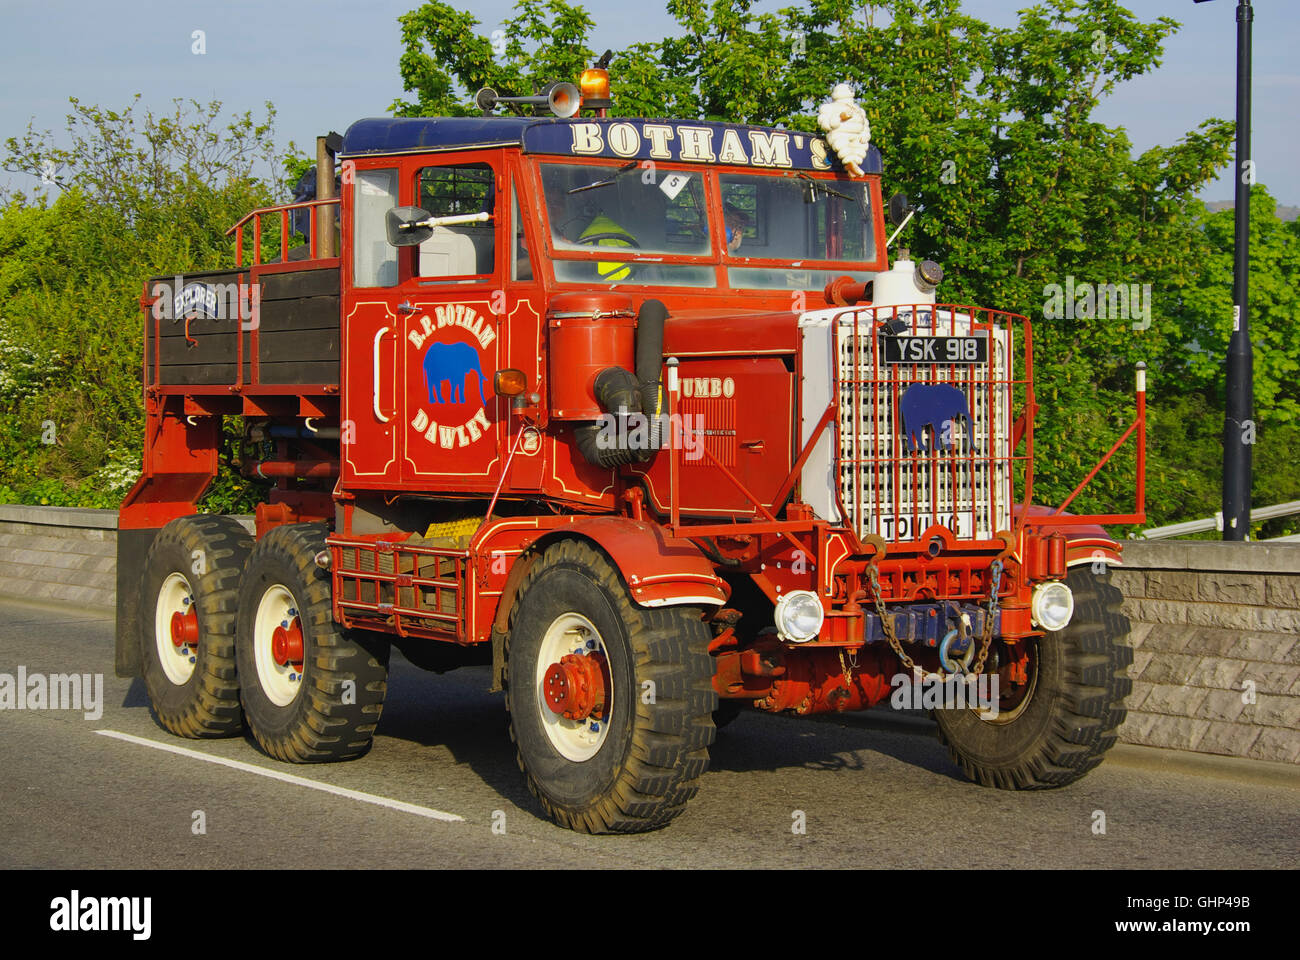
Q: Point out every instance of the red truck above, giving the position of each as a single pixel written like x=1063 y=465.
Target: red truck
x=636 y=412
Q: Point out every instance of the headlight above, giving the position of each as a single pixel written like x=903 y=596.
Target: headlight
x=1052 y=605
x=799 y=616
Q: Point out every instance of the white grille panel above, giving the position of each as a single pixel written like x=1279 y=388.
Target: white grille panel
x=884 y=488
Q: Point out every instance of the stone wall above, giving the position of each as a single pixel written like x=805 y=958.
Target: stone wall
x=1215 y=627
x=59 y=554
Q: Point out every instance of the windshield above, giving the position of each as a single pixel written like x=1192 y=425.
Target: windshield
x=773 y=225
x=627 y=208
x=795 y=218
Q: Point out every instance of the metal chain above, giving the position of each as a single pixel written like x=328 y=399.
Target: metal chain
x=996 y=577
x=887 y=622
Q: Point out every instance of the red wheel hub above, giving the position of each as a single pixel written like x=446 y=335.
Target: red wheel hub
x=575 y=687
x=286 y=644
x=185 y=628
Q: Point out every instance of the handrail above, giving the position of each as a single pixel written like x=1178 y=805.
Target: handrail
x=1216 y=523
x=283 y=210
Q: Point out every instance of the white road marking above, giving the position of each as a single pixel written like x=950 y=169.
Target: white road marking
x=290 y=778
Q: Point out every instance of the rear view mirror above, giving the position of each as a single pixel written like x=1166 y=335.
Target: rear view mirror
x=899 y=208
x=406 y=226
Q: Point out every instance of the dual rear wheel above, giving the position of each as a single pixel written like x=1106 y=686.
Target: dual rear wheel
x=238 y=635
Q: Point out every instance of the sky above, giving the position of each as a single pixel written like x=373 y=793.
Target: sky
x=106 y=51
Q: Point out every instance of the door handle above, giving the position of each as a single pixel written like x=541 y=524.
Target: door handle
x=375 y=398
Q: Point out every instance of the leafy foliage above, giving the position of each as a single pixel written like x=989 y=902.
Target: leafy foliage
x=990 y=130
x=128 y=198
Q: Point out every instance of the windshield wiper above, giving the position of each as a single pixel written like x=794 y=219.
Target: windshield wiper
x=819 y=185
x=608 y=180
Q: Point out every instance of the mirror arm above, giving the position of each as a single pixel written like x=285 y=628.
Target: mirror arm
x=448 y=221
x=894 y=235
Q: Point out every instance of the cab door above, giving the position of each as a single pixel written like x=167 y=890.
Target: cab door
x=451 y=313
x=371 y=415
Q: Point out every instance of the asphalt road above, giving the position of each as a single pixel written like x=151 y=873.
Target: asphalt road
x=876 y=791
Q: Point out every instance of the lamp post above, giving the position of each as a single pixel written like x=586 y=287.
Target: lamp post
x=1238 y=426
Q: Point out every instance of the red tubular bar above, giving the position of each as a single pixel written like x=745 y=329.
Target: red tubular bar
x=1139 y=425
x=283 y=209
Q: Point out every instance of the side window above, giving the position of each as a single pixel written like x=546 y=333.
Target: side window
x=466 y=249
x=521 y=265
x=374 y=262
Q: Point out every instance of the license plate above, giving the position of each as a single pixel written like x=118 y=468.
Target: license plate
x=906 y=528
x=944 y=350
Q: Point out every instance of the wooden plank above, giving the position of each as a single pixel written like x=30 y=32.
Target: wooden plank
x=299 y=371
x=205 y=276
x=283 y=346
x=300 y=283
x=197 y=374
x=290 y=346
x=304 y=313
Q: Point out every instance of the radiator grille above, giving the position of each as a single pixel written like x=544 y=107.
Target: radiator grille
x=886 y=489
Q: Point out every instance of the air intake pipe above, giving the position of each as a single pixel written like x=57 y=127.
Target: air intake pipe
x=649 y=362
x=619 y=392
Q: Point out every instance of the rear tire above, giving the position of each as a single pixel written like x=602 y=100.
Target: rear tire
x=312 y=692
x=193 y=571
x=637 y=771
x=1060 y=729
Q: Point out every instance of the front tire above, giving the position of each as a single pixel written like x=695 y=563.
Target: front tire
x=312 y=692
x=188 y=602
x=1057 y=726
x=638 y=682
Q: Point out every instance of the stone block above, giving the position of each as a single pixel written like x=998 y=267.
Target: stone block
x=1231 y=739
x=1217 y=673
x=1171 y=584
x=1283 y=590
x=1167 y=698
x=1172 y=668
x=1227 y=587
x=1220 y=705
x=1176 y=733
x=1131 y=583
x=1273 y=711
x=1138 y=694
x=1278 y=745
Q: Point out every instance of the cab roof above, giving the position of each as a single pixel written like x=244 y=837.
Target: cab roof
x=613 y=137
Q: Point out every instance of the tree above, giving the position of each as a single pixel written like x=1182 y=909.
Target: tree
x=130 y=197
x=991 y=132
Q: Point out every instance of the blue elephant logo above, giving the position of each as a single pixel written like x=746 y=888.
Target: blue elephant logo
x=931 y=405
x=451 y=363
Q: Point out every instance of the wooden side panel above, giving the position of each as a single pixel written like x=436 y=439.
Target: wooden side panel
x=294 y=330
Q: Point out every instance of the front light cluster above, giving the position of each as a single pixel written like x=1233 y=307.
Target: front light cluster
x=799 y=616
x=1052 y=605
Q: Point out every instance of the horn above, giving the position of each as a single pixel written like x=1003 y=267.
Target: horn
x=563 y=99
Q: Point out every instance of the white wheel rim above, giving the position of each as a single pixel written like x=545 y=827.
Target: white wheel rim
x=174 y=596
x=1006 y=716
x=277 y=608
x=573 y=739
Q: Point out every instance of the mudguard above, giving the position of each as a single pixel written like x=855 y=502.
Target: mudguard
x=659 y=570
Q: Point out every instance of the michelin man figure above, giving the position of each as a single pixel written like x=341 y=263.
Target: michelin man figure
x=847 y=129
